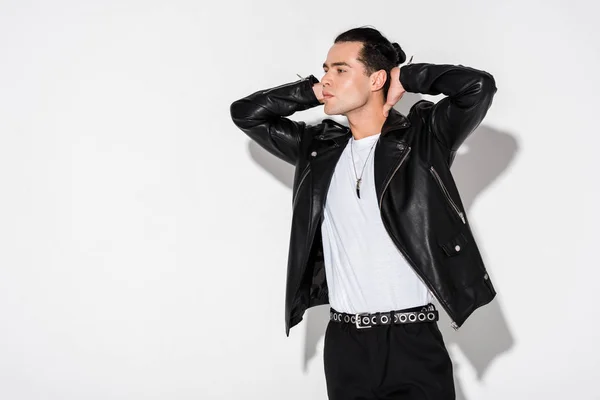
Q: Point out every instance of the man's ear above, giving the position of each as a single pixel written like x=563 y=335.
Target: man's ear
x=378 y=79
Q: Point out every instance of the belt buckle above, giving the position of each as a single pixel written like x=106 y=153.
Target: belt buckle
x=358 y=318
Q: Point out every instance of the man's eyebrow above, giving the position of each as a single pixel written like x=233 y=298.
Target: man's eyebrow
x=339 y=63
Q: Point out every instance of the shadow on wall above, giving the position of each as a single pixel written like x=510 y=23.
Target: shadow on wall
x=482 y=158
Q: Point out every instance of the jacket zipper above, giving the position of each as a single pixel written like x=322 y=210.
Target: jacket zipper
x=453 y=324
x=285 y=84
x=447 y=195
x=304 y=175
x=393 y=173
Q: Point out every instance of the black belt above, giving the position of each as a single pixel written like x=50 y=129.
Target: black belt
x=426 y=313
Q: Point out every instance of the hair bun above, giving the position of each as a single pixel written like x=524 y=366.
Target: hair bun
x=400 y=55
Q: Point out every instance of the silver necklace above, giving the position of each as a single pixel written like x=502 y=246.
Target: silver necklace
x=359 y=180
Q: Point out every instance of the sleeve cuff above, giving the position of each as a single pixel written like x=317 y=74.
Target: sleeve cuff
x=405 y=75
x=309 y=81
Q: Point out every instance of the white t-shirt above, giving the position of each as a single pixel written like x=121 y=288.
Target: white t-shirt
x=365 y=271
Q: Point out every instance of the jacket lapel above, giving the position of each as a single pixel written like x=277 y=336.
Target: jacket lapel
x=324 y=158
x=390 y=150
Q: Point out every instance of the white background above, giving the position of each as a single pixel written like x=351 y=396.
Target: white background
x=144 y=238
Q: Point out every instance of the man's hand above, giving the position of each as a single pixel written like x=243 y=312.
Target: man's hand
x=318 y=89
x=395 y=92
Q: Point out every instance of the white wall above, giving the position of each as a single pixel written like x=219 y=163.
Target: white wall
x=136 y=220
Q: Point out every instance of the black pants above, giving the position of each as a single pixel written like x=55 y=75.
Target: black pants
x=407 y=361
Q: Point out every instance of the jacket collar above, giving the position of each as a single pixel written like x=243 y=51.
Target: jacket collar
x=335 y=130
x=395 y=120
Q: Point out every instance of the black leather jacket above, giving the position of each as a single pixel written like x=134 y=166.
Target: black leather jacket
x=419 y=202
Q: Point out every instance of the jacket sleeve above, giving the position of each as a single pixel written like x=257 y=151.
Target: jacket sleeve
x=262 y=116
x=469 y=95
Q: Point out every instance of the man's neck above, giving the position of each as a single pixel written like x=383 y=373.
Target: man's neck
x=367 y=120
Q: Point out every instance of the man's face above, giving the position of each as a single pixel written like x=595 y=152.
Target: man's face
x=344 y=79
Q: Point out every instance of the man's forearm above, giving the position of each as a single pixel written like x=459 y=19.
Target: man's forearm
x=455 y=81
x=262 y=116
x=279 y=101
x=469 y=95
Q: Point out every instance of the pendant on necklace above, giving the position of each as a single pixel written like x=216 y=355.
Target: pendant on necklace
x=358 y=187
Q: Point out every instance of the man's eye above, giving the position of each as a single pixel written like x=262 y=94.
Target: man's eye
x=341 y=70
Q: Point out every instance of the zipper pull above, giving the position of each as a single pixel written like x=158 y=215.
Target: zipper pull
x=454 y=326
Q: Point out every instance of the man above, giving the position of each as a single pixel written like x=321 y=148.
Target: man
x=378 y=227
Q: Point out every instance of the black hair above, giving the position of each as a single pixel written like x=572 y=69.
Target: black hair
x=376 y=53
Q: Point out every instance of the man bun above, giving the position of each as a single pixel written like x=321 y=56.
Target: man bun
x=400 y=55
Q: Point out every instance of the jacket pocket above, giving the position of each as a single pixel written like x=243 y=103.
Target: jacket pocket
x=456 y=245
x=459 y=262
x=446 y=194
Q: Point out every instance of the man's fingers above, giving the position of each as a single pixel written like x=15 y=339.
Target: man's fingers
x=318 y=90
